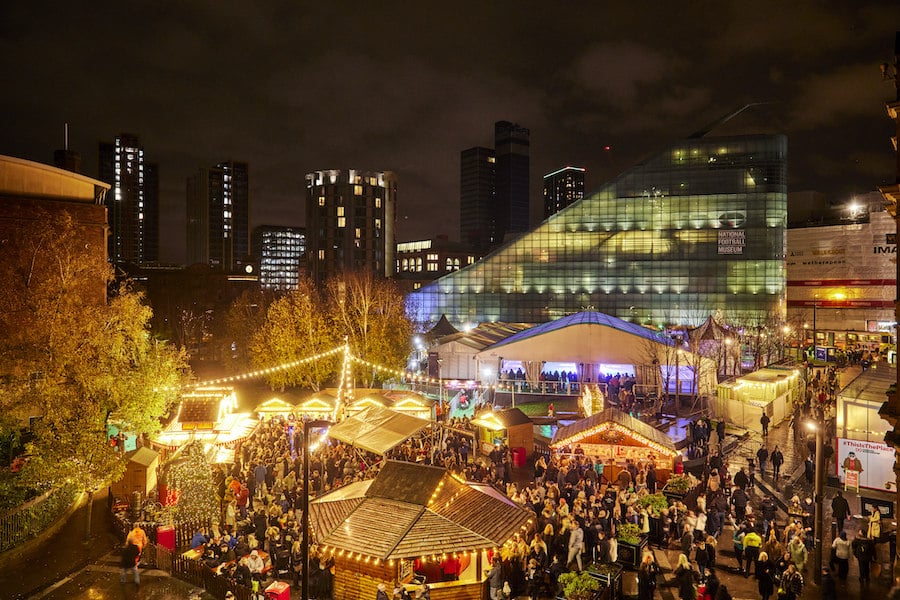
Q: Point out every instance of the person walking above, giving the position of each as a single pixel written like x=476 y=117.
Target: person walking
x=685 y=577
x=495 y=578
x=752 y=544
x=765 y=576
x=738 y=541
x=647 y=574
x=762 y=457
x=840 y=550
x=829 y=590
x=576 y=545
x=130 y=561
x=791 y=583
x=840 y=510
x=777 y=458
x=799 y=553
x=864 y=550
x=764 y=422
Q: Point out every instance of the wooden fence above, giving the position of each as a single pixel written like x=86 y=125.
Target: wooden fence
x=195 y=573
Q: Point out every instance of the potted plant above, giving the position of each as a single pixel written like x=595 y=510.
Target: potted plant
x=610 y=577
x=631 y=545
x=579 y=586
x=654 y=503
x=677 y=487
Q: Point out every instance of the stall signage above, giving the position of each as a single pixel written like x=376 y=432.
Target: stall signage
x=866 y=464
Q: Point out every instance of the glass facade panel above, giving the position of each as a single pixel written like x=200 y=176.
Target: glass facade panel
x=698 y=228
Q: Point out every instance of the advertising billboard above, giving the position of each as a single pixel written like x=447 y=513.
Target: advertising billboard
x=873 y=460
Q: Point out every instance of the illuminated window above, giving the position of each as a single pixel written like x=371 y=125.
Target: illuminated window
x=432 y=257
x=432 y=266
x=340 y=211
x=357 y=189
x=321 y=200
x=358 y=232
x=377 y=223
x=342 y=222
x=377 y=202
x=321 y=255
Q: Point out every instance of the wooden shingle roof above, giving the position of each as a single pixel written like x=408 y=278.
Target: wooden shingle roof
x=411 y=510
x=199 y=410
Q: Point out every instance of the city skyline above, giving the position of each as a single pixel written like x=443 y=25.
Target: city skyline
x=319 y=87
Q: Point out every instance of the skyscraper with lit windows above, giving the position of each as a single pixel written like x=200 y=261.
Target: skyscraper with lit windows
x=280 y=252
x=697 y=228
x=132 y=202
x=561 y=188
x=218 y=216
x=350 y=223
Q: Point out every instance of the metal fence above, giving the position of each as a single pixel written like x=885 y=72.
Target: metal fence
x=30 y=519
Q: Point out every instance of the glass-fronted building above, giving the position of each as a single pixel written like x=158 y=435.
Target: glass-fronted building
x=698 y=228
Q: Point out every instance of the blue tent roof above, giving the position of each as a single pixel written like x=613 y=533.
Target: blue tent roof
x=588 y=317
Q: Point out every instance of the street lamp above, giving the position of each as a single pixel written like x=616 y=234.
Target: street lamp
x=818 y=427
x=307 y=425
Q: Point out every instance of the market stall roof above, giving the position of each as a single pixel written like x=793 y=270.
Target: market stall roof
x=431 y=512
x=617 y=420
x=501 y=419
x=274 y=406
x=484 y=335
x=377 y=429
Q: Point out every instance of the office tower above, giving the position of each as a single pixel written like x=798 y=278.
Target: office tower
x=279 y=252
x=477 y=198
x=218 y=224
x=350 y=222
x=133 y=201
x=511 y=149
x=699 y=227
x=562 y=188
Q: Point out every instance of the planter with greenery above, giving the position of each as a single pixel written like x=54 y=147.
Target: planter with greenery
x=631 y=544
x=610 y=577
x=654 y=503
x=677 y=487
x=579 y=586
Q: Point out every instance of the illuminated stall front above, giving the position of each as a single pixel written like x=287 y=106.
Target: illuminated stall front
x=613 y=437
x=743 y=400
x=318 y=406
x=206 y=414
x=274 y=407
x=411 y=403
x=435 y=520
x=509 y=426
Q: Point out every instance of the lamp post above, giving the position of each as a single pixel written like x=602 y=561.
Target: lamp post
x=815 y=329
x=818 y=427
x=307 y=425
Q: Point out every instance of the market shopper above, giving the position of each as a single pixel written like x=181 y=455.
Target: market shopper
x=131 y=557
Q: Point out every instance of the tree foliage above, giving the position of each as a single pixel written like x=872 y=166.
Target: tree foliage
x=297 y=326
x=244 y=318
x=74 y=357
x=372 y=314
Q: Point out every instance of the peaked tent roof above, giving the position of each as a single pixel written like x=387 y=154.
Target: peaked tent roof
x=610 y=419
x=441 y=328
x=588 y=317
x=431 y=512
x=377 y=429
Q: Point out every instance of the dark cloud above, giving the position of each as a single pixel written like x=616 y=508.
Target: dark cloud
x=293 y=87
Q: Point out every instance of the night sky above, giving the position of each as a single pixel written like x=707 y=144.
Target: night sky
x=292 y=87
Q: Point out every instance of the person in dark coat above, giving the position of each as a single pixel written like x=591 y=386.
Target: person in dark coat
x=840 y=510
x=765 y=576
x=130 y=563
x=685 y=577
x=647 y=575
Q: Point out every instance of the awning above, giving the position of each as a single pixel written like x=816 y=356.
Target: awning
x=377 y=429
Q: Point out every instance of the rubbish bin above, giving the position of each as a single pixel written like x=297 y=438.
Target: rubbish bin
x=165 y=537
x=519 y=458
x=278 y=590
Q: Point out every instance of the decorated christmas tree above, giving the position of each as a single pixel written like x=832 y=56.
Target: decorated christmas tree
x=191 y=475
